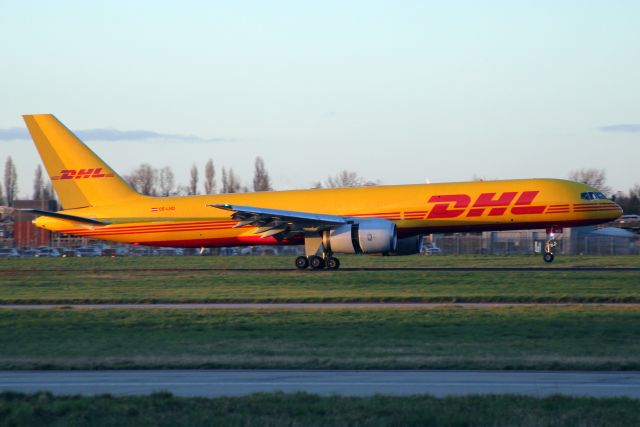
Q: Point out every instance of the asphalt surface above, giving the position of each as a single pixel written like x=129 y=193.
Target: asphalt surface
x=301 y=306
x=212 y=383
x=281 y=270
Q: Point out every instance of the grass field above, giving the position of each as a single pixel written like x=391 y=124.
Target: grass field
x=200 y=279
x=516 y=337
x=286 y=262
x=572 y=337
x=307 y=410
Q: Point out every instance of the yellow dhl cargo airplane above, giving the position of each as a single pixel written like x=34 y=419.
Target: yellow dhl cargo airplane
x=97 y=203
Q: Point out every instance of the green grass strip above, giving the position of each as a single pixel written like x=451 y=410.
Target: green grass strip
x=199 y=279
x=163 y=409
x=286 y=262
x=571 y=337
x=289 y=286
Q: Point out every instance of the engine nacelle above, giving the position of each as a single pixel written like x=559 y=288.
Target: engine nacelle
x=368 y=236
x=409 y=245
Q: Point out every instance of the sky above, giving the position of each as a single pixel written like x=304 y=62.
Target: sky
x=400 y=92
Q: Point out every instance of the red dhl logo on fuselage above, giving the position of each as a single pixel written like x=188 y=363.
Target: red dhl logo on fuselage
x=455 y=205
x=82 y=174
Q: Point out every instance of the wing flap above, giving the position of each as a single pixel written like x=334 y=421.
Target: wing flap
x=279 y=223
x=246 y=213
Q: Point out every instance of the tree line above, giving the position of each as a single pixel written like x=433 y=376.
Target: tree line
x=161 y=182
x=9 y=192
x=150 y=181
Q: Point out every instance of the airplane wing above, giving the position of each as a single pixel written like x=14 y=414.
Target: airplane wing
x=280 y=223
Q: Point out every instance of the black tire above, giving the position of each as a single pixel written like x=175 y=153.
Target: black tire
x=548 y=257
x=316 y=262
x=302 y=262
x=333 y=263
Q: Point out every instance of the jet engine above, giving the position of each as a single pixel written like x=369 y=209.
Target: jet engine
x=409 y=245
x=368 y=236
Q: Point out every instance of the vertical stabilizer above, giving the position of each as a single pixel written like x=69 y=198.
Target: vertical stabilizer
x=79 y=177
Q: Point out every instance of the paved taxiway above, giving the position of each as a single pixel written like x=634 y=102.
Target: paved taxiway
x=211 y=383
x=293 y=270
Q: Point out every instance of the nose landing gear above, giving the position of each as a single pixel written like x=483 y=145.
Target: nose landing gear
x=552 y=242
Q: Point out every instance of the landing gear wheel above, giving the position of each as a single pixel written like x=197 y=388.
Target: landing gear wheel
x=333 y=263
x=548 y=257
x=315 y=262
x=302 y=262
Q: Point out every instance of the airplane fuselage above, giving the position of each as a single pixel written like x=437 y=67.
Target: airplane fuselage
x=187 y=221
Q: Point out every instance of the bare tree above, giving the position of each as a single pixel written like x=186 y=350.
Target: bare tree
x=166 y=181
x=47 y=192
x=234 y=182
x=193 y=182
x=209 y=178
x=1 y=197
x=181 y=190
x=595 y=178
x=10 y=181
x=630 y=203
x=230 y=182
x=144 y=179
x=38 y=186
x=225 y=183
x=261 y=180
x=348 y=179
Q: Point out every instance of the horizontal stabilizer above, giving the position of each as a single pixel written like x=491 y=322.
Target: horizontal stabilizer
x=4 y=210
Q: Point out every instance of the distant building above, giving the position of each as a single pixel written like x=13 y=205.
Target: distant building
x=25 y=234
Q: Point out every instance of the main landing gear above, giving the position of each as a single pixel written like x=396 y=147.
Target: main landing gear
x=318 y=255
x=316 y=262
x=552 y=242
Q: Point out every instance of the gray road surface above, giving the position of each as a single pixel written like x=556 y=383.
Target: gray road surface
x=542 y=268
x=213 y=383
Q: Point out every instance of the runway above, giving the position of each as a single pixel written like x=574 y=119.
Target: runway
x=213 y=383
x=342 y=269
x=305 y=306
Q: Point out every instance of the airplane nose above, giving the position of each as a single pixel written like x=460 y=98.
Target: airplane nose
x=617 y=213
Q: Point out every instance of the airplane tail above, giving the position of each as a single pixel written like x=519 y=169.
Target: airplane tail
x=80 y=178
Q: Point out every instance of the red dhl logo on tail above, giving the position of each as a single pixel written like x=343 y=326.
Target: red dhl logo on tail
x=454 y=205
x=82 y=174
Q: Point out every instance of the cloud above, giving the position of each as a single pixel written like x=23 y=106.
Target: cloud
x=107 y=134
x=11 y=134
x=622 y=128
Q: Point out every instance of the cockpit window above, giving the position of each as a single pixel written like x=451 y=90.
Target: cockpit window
x=592 y=195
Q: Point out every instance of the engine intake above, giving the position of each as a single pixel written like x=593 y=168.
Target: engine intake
x=368 y=236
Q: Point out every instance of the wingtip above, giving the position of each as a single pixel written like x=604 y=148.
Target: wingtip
x=226 y=206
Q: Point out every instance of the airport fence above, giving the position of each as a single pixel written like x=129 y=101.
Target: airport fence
x=496 y=244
